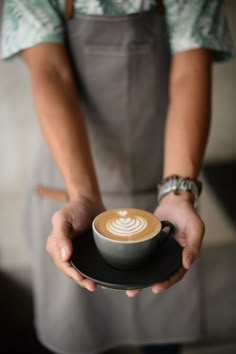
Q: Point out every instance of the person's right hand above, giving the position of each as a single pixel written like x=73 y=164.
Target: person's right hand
x=68 y=223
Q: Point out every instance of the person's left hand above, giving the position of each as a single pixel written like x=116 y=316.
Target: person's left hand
x=179 y=210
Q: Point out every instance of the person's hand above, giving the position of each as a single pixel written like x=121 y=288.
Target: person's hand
x=67 y=223
x=179 y=210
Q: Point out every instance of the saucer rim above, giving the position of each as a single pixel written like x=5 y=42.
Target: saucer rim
x=120 y=286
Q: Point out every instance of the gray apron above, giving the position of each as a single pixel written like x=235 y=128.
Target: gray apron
x=122 y=67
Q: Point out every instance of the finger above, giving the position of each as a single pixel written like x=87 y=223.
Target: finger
x=188 y=256
x=62 y=231
x=63 y=248
x=193 y=246
x=89 y=284
x=132 y=293
x=66 y=268
x=53 y=249
x=63 y=266
x=168 y=283
x=78 y=278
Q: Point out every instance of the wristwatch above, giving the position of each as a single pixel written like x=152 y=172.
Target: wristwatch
x=176 y=184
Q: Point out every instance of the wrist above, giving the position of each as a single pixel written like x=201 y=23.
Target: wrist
x=92 y=202
x=87 y=190
x=82 y=183
x=79 y=193
x=182 y=196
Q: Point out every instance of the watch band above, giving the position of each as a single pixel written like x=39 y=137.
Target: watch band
x=176 y=184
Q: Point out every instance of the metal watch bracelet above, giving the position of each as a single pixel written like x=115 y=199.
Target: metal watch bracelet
x=176 y=184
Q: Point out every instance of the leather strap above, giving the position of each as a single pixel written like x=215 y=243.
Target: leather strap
x=69 y=8
x=53 y=193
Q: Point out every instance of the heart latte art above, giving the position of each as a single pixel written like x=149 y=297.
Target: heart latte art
x=127 y=224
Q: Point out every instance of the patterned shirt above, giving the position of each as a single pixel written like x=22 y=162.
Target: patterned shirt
x=191 y=23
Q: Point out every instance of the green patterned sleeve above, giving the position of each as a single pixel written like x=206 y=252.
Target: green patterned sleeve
x=199 y=24
x=26 y=23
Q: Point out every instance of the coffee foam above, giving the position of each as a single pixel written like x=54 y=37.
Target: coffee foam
x=127 y=224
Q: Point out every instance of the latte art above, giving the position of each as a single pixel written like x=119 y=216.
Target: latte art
x=127 y=224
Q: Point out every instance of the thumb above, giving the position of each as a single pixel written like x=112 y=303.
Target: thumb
x=188 y=256
x=62 y=231
x=194 y=241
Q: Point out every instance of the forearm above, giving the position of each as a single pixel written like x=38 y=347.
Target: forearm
x=188 y=119
x=64 y=128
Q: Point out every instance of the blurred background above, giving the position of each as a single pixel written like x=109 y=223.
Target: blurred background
x=19 y=133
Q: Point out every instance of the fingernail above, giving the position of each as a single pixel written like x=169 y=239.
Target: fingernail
x=131 y=295
x=155 y=291
x=64 y=253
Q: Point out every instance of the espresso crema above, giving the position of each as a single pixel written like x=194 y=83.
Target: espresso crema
x=127 y=224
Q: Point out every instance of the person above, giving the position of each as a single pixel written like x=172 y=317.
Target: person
x=122 y=92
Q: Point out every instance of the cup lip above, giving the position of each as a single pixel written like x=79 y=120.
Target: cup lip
x=124 y=241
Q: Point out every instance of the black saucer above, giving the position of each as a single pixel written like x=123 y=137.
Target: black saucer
x=87 y=261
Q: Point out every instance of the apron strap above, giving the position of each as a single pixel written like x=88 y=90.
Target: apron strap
x=69 y=8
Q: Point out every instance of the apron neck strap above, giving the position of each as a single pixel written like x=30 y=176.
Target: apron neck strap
x=69 y=8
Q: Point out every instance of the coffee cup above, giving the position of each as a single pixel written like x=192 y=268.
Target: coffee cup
x=127 y=237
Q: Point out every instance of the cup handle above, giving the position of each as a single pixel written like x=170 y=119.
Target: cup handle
x=164 y=236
